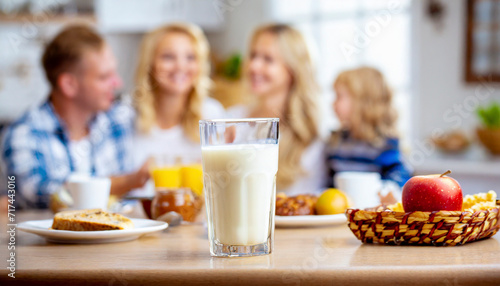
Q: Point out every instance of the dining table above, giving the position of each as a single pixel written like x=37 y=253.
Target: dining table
x=179 y=255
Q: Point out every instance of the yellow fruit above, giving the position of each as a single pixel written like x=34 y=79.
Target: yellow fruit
x=332 y=201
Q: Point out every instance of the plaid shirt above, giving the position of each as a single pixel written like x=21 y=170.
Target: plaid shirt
x=35 y=149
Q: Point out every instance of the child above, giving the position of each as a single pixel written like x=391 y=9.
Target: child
x=368 y=140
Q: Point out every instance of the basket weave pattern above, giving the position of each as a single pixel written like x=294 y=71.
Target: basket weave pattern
x=423 y=228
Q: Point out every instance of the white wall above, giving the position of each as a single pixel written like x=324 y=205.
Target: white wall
x=22 y=79
x=126 y=48
x=240 y=20
x=442 y=98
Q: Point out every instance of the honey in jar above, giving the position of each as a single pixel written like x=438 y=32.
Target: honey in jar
x=181 y=200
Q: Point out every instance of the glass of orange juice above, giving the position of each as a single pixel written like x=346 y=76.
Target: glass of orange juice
x=165 y=171
x=192 y=178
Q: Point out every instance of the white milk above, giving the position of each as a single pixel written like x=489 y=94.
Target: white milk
x=240 y=190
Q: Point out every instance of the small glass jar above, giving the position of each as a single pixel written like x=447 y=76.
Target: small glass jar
x=181 y=200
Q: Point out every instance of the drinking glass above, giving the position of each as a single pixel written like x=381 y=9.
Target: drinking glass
x=166 y=171
x=240 y=162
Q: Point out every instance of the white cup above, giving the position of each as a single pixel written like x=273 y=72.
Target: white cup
x=88 y=192
x=361 y=187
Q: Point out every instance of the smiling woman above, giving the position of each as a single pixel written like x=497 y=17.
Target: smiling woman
x=281 y=77
x=171 y=95
x=173 y=69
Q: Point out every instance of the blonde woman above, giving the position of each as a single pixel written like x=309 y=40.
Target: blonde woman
x=280 y=75
x=172 y=86
x=368 y=140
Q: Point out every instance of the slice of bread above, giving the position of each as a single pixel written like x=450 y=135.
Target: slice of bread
x=90 y=220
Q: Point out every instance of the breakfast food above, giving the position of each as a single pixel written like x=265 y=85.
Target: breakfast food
x=471 y=203
x=432 y=193
x=481 y=201
x=239 y=202
x=432 y=212
x=479 y=219
x=181 y=201
x=90 y=220
x=332 y=201
x=298 y=205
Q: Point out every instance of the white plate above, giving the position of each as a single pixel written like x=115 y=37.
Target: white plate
x=309 y=220
x=141 y=227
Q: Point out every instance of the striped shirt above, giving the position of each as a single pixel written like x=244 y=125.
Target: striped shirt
x=350 y=154
x=36 y=150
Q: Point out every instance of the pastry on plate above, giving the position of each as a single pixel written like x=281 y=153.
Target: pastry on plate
x=90 y=220
x=298 y=205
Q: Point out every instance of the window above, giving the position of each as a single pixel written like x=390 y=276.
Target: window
x=483 y=41
x=348 y=34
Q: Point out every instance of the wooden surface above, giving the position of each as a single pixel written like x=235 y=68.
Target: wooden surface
x=180 y=255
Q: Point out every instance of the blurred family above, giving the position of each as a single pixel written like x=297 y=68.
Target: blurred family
x=82 y=129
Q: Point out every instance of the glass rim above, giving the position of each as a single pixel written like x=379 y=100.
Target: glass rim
x=240 y=120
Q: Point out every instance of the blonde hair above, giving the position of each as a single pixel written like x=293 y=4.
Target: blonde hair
x=300 y=119
x=373 y=118
x=146 y=86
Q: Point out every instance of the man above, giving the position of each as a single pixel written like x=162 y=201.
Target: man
x=78 y=130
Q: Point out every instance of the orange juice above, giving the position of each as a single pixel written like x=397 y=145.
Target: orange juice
x=192 y=177
x=167 y=177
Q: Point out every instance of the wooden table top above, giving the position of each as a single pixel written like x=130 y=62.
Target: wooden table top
x=180 y=255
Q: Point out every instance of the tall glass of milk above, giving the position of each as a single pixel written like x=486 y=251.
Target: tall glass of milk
x=240 y=162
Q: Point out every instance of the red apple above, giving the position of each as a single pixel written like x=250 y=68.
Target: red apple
x=432 y=193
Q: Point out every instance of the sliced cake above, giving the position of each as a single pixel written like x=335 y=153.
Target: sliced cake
x=90 y=220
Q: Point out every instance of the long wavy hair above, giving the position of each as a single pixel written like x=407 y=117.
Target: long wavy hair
x=146 y=92
x=373 y=117
x=300 y=119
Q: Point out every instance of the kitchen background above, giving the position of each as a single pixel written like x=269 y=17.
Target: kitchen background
x=441 y=57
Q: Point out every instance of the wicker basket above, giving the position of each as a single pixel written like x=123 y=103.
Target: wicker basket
x=423 y=228
x=490 y=139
